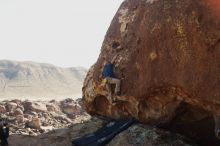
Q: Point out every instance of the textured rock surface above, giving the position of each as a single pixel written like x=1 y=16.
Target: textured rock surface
x=137 y=135
x=215 y=4
x=140 y=135
x=168 y=54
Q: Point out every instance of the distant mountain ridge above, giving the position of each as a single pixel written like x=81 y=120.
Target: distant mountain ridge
x=31 y=79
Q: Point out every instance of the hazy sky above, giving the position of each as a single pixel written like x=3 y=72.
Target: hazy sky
x=61 y=32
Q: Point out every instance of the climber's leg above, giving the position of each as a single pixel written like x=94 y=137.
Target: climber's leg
x=117 y=83
x=109 y=89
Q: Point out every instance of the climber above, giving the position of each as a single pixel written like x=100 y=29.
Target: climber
x=109 y=79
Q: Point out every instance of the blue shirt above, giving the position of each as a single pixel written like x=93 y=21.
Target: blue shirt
x=108 y=70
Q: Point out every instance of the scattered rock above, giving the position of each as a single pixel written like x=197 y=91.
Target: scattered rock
x=35 y=106
x=2 y=109
x=33 y=118
x=51 y=107
x=21 y=107
x=35 y=123
x=63 y=118
x=47 y=128
x=137 y=135
x=20 y=118
x=11 y=106
x=28 y=116
x=17 y=101
x=71 y=109
x=18 y=111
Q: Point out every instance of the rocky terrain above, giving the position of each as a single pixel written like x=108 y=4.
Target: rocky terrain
x=34 y=80
x=37 y=117
x=137 y=135
x=57 y=123
x=167 y=58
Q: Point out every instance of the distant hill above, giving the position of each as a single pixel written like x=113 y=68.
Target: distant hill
x=30 y=79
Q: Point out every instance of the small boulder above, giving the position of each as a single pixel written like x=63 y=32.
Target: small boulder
x=63 y=118
x=46 y=128
x=35 y=123
x=17 y=101
x=21 y=107
x=11 y=106
x=18 y=111
x=20 y=118
x=35 y=106
x=71 y=109
x=28 y=117
x=51 y=107
x=2 y=109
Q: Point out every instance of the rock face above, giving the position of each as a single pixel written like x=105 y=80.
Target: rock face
x=138 y=135
x=215 y=4
x=167 y=56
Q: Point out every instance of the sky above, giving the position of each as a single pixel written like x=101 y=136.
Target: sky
x=65 y=33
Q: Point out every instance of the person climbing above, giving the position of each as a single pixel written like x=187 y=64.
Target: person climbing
x=109 y=79
x=4 y=134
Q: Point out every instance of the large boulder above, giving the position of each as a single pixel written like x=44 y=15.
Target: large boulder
x=167 y=55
